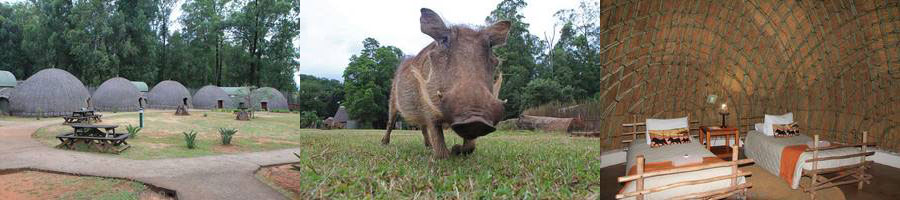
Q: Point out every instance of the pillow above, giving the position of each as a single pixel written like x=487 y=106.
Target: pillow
x=759 y=127
x=665 y=124
x=786 y=130
x=776 y=119
x=660 y=138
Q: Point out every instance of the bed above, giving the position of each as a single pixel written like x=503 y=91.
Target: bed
x=791 y=158
x=651 y=173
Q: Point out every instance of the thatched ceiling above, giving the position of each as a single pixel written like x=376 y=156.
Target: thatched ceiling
x=835 y=64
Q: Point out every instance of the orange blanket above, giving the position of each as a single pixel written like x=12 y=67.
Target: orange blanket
x=789 y=157
x=658 y=166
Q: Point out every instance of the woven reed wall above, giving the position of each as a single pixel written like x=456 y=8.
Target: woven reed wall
x=835 y=64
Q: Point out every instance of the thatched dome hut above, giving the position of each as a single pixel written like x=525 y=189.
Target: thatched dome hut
x=341 y=115
x=267 y=98
x=7 y=79
x=212 y=97
x=169 y=95
x=116 y=94
x=49 y=92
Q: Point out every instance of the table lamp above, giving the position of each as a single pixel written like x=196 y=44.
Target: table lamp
x=724 y=112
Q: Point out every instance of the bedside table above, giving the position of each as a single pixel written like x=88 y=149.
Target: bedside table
x=708 y=132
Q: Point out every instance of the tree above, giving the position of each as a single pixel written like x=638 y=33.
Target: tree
x=267 y=28
x=541 y=91
x=518 y=56
x=320 y=95
x=367 y=82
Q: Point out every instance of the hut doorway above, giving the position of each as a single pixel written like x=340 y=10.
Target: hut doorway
x=140 y=102
x=184 y=101
x=220 y=104
x=4 y=106
x=264 y=105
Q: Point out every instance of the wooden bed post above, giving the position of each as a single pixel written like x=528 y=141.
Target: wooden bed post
x=734 y=167
x=639 y=183
x=862 y=159
x=815 y=166
x=633 y=129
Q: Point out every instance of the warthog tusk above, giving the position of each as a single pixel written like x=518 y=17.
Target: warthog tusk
x=497 y=84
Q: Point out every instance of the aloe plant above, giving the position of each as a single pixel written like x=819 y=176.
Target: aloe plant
x=132 y=130
x=227 y=133
x=189 y=138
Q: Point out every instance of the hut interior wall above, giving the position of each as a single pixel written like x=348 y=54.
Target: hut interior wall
x=835 y=64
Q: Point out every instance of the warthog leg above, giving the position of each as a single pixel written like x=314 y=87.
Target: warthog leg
x=468 y=147
x=437 y=140
x=425 y=136
x=392 y=118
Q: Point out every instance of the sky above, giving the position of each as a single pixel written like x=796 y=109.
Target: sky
x=333 y=30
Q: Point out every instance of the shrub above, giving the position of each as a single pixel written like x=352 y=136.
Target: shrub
x=132 y=130
x=189 y=138
x=308 y=119
x=226 y=135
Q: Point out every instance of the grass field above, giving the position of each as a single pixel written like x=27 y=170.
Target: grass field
x=162 y=134
x=506 y=165
x=353 y=163
x=42 y=185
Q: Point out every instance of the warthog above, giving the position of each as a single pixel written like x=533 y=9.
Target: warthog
x=450 y=83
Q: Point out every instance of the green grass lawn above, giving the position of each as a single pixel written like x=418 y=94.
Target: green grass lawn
x=353 y=163
x=506 y=165
x=162 y=134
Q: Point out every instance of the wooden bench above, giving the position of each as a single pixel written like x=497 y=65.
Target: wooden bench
x=105 y=141
x=87 y=116
x=115 y=143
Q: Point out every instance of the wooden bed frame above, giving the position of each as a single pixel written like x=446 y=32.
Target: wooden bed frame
x=640 y=176
x=851 y=173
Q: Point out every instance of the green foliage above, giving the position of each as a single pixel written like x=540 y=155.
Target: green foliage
x=280 y=110
x=132 y=130
x=99 y=39
x=367 y=82
x=308 y=119
x=227 y=133
x=541 y=91
x=320 y=95
x=518 y=55
x=189 y=138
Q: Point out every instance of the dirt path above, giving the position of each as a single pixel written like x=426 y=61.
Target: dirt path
x=210 y=177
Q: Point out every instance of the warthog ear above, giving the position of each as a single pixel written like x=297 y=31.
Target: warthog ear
x=433 y=25
x=497 y=33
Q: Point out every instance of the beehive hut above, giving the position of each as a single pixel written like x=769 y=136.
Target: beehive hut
x=238 y=95
x=169 y=95
x=49 y=92
x=141 y=86
x=341 y=115
x=7 y=83
x=116 y=94
x=267 y=99
x=212 y=97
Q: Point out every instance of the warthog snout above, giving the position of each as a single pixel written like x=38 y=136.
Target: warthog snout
x=477 y=115
x=475 y=125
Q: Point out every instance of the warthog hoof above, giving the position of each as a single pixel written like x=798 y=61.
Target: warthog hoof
x=461 y=150
x=385 y=141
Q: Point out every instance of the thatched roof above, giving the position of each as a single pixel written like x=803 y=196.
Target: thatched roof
x=116 y=94
x=49 y=92
x=7 y=79
x=141 y=86
x=341 y=115
x=5 y=92
x=168 y=95
x=208 y=98
x=273 y=98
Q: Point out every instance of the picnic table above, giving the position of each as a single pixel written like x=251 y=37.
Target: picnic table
x=103 y=137
x=82 y=116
